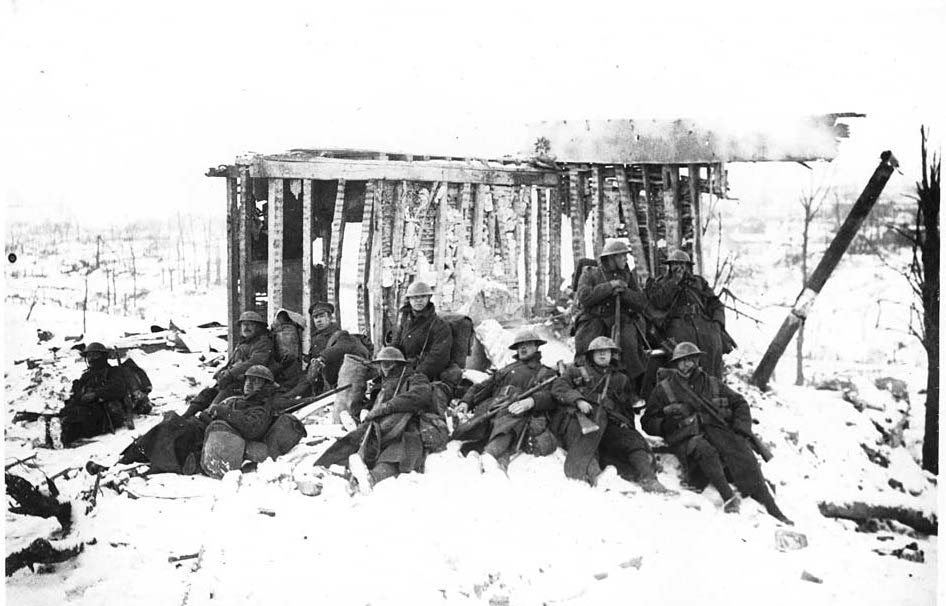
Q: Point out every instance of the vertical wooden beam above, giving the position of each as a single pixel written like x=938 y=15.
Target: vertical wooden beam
x=466 y=211
x=307 y=203
x=630 y=221
x=336 y=242
x=555 y=243
x=694 y=170
x=375 y=294
x=361 y=282
x=597 y=192
x=541 y=249
x=274 y=221
x=392 y=300
x=577 y=213
x=651 y=213
x=440 y=235
x=247 y=217
x=479 y=201
x=671 y=202
x=233 y=258
x=528 y=283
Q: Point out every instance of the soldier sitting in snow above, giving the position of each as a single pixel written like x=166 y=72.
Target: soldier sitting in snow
x=95 y=405
x=398 y=430
x=709 y=427
x=255 y=348
x=422 y=336
x=523 y=425
x=600 y=390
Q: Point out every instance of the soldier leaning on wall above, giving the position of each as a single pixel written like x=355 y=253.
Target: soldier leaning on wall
x=423 y=337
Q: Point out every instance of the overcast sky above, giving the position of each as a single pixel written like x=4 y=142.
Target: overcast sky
x=115 y=108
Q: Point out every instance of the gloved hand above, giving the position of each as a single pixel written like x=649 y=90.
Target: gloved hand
x=618 y=286
x=584 y=406
x=521 y=406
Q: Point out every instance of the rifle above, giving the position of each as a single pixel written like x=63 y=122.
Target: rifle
x=587 y=425
x=303 y=403
x=476 y=421
x=754 y=440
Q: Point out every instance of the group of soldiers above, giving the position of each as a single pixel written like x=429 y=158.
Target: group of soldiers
x=418 y=390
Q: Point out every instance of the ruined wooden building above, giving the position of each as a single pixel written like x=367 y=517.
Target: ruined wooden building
x=495 y=236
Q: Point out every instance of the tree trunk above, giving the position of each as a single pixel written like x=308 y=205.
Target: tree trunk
x=928 y=215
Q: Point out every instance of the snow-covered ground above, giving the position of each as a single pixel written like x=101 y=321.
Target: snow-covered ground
x=455 y=535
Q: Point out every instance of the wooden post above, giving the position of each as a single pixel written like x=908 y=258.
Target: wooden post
x=630 y=221
x=671 y=200
x=555 y=243
x=375 y=295
x=335 y=251
x=541 y=249
x=597 y=201
x=577 y=213
x=274 y=290
x=233 y=258
x=307 y=203
x=694 y=170
x=830 y=260
x=528 y=283
x=364 y=322
x=440 y=235
x=397 y=252
x=651 y=212
x=466 y=208
x=479 y=200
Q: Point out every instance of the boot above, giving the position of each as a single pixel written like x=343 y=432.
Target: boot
x=643 y=469
x=731 y=505
x=652 y=484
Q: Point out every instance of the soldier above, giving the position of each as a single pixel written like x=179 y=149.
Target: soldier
x=95 y=404
x=691 y=311
x=600 y=288
x=235 y=421
x=600 y=390
x=395 y=434
x=525 y=418
x=424 y=338
x=255 y=348
x=708 y=448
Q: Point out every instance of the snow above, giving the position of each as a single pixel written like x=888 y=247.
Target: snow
x=459 y=534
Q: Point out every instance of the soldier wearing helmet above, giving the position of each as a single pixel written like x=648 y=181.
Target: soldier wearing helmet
x=527 y=416
x=601 y=392
x=400 y=404
x=710 y=445
x=689 y=310
x=255 y=348
x=421 y=335
x=599 y=289
x=95 y=405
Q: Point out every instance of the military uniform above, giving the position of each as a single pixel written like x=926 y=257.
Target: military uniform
x=257 y=350
x=425 y=340
x=103 y=411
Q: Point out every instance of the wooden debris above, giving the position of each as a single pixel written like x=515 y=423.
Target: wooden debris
x=807 y=576
x=860 y=512
x=179 y=558
x=40 y=551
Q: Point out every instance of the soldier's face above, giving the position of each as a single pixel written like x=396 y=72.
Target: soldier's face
x=601 y=357
x=619 y=261
x=249 y=329
x=419 y=302
x=252 y=385
x=686 y=366
x=93 y=358
x=679 y=268
x=321 y=320
x=527 y=350
x=388 y=367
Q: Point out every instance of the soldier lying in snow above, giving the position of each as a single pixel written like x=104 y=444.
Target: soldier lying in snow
x=598 y=389
x=255 y=348
x=399 y=429
x=709 y=427
x=523 y=425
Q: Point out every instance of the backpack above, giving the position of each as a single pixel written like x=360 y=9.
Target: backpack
x=461 y=327
x=287 y=340
x=137 y=387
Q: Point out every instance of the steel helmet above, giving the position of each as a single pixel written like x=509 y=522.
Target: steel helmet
x=685 y=350
x=260 y=371
x=603 y=344
x=526 y=336
x=419 y=289
x=614 y=247
x=390 y=354
x=94 y=347
x=678 y=256
x=252 y=316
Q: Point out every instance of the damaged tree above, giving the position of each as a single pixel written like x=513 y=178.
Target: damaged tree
x=31 y=501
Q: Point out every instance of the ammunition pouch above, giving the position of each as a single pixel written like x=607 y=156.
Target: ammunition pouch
x=540 y=441
x=683 y=430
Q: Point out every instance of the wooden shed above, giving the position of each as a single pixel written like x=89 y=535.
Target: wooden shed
x=495 y=236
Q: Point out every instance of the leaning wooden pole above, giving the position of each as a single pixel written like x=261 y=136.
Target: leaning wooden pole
x=830 y=260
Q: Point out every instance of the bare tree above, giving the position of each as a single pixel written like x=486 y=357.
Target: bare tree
x=811 y=203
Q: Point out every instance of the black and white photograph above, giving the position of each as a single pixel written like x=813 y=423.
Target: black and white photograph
x=499 y=304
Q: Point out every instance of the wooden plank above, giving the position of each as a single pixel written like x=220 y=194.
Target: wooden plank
x=274 y=223
x=364 y=322
x=630 y=222
x=671 y=204
x=466 y=211
x=307 y=203
x=336 y=241
x=375 y=294
x=542 y=221
x=479 y=202
x=528 y=283
x=694 y=170
x=440 y=235
x=651 y=212
x=397 y=252
x=233 y=257
x=577 y=214
x=597 y=201
x=555 y=243
x=366 y=170
x=247 y=212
